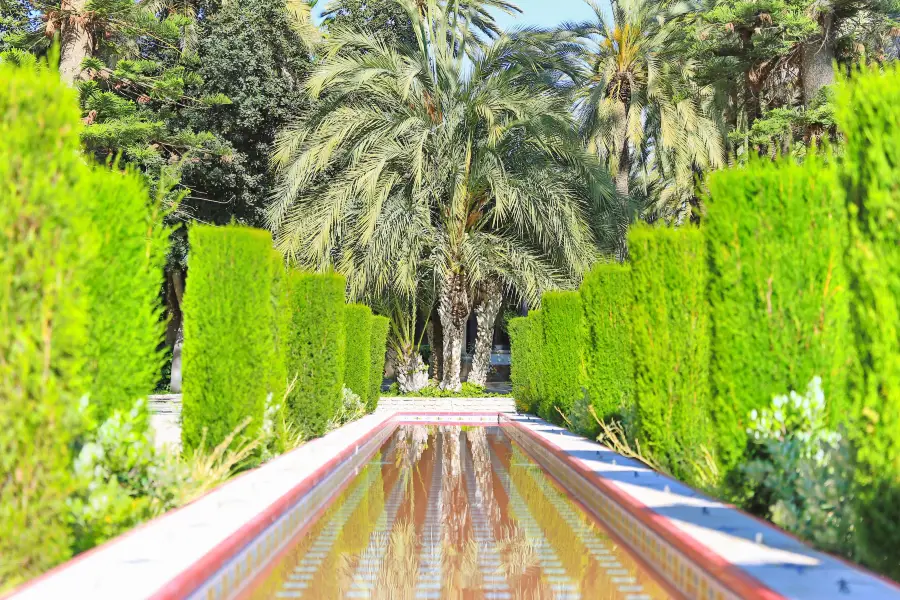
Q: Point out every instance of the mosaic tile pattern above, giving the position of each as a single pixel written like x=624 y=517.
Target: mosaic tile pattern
x=680 y=572
x=244 y=567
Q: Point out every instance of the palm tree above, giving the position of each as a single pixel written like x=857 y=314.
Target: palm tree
x=640 y=105
x=416 y=161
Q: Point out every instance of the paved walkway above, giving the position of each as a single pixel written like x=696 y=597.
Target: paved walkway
x=457 y=405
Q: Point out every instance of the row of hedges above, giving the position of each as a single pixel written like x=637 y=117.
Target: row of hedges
x=767 y=270
x=79 y=321
x=632 y=345
x=255 y=331
x=795 y=274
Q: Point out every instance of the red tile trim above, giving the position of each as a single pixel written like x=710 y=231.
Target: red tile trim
x=200 y=572
x=731 y=576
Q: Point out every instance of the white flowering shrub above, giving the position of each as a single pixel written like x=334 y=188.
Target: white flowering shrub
x=352 y=408
x=121 y=479
x=801 y=470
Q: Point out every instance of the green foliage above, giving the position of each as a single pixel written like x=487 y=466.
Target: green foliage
x=315 y=359
x=433 y=390
x=562 y=372
x=43 y=316
x=777 y=235
x=671 y=342
x=120 y=479
x=358 y=349
x=248 y=52
x=800 y=470
x=868 y=110
x=525 y=345
x=351 y=408
x=123 y=280
x=377 y=356
x=608 y=363
x=228 y=314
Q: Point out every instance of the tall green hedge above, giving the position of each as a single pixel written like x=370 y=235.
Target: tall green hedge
x=277 y=363
x=671 y=341
x=777 y=235
x=377 y=355
x=43 y=316
x=868 y=110
x=521 y=351
x=562 y=369
x=123 y=281
x=315 y=359
x=526 y=340
x=358 y=349
x=609 y=368
x=228 y=315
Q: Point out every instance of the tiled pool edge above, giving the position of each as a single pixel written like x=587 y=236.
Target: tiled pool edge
x=167 y=558
x=229 y=526
x=778 y=565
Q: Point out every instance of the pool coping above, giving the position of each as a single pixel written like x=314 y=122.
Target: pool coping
x=179 y=553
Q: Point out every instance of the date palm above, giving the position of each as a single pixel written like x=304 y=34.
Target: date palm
x=417 y=162
x=640 y=102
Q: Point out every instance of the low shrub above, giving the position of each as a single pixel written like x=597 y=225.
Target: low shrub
x=377 y=356
x=777 y=235
x=228 y=345
x=562 y=372
x=352 y=408
x=671 y=343
x=800 y=471
x=868 y=110
x=315 y=358
x=608 y=363
x=358 y=349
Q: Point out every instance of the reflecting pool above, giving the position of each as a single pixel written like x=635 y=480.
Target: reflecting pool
x=446 y=512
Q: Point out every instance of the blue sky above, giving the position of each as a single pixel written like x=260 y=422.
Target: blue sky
x=547 y=13
x=542 y=13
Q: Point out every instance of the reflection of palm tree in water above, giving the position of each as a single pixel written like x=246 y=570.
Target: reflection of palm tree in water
x=518 y=556
x=460 y=552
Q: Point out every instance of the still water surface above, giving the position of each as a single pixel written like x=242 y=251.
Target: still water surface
x=455 y=512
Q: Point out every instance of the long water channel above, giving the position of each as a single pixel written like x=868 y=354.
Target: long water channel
x=447 y=512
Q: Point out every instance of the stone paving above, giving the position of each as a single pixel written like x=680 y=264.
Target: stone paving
x=456 y=405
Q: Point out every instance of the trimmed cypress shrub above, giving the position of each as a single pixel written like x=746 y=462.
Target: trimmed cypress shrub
x=609 y=368
x=671 y=342
x=358 y=349
x=522 y=348
x=377 y=355
x=868 y=110
x=278 y=378
x=43 y=316
x=315 y=359
x=777 y=234
x=123 y=281
x=562 y=371
x=228 y=315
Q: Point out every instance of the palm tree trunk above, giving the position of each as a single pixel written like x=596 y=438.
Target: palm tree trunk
x=76 y=43
x=412 y=374
x=486 y=311
x=816 y=60
x=436 y=344
x=453 y=308
x=623 y=189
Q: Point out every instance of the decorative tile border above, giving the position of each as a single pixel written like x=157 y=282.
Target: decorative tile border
x=703 y=548
x=677 y=569
x=139 y=564
x=244 y=568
